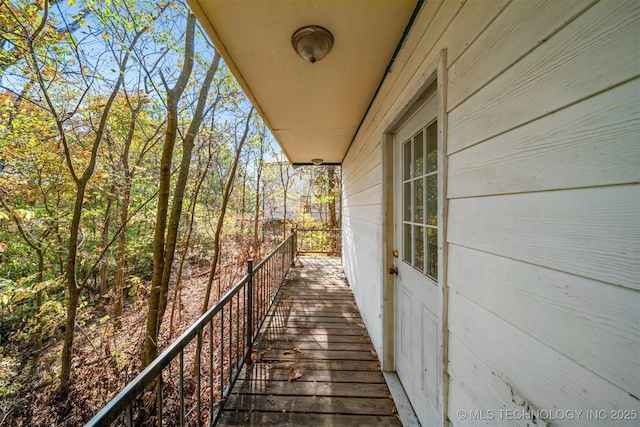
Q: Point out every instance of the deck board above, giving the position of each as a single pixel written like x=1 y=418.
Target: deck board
x=315 y=328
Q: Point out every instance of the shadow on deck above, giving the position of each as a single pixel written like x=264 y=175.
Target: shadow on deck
x=314 y=328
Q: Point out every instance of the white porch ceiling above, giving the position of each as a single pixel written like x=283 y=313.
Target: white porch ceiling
x=313 y=110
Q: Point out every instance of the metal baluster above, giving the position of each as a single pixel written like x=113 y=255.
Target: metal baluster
x=129 y=416
x=264 y=289
x=222 y=352
x=159 y=396
x=181 y=388
x=246 y=308
x=290 y=243
x=211 y=400
x=238 y=350
x=249 y=311
x=198 y=367
x=231 y=355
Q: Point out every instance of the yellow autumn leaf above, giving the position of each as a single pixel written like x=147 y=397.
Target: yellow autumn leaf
x=105 y=36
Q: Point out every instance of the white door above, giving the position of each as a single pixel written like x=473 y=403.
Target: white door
x=416 y=241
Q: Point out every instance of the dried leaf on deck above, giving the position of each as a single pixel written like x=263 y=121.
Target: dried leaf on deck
x=374 y=354
x=297 y=350
x=294 y=374
x=286 y=352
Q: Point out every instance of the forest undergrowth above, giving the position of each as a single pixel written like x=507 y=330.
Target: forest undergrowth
x=107 y=358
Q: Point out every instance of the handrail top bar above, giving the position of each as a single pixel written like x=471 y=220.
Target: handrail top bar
x=318 y=229
x=114 y=407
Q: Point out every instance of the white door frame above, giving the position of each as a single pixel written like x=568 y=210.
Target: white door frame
x=435 y=72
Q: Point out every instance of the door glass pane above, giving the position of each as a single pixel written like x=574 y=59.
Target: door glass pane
x=418 y=155
x=432 y=252
x=407 y=201
x=419 y=246
x=432 y=147
x=407 y=243
x=432 y=200
x=407 y=163
x=418 y=200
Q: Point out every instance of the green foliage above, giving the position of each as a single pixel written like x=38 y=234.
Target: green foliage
x=133 y=285
x=19 y=313
x=16 y=261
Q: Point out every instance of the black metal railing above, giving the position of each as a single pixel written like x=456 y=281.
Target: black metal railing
x=319 y=241
x=190 y=381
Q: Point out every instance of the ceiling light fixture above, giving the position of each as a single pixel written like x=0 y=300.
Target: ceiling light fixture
x=317 y=162
x=312 y=42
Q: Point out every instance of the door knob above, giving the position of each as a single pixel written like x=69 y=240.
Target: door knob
x=393 y=270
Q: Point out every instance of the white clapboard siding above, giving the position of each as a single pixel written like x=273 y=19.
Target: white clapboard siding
x=548 y=379
x=366 y=165
x=368 y=179
x=469 y=23
x=369 y=213
x=364 y=238
x=367 y=194
x=595 y=142
x=592 y=232
x=521 y=27
x=600 y=323
x=370 y=195
x=480 y=393
x=582 y=59
x=361 y=160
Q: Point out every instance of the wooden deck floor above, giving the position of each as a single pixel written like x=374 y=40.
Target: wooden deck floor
x=316 y=329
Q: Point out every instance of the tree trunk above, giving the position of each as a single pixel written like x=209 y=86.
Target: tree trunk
x=223 y=210
x=284 y=179
x=39 y=325
x=81 y=184
x=256 y=209
x=122 y=250
x=72 y=288
x=192 y=208
x=104 y=266
x=331 y=179
x=150 y=344
x=124 y=213
x=243 y=207
x=173 y=96
x=181 y=184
